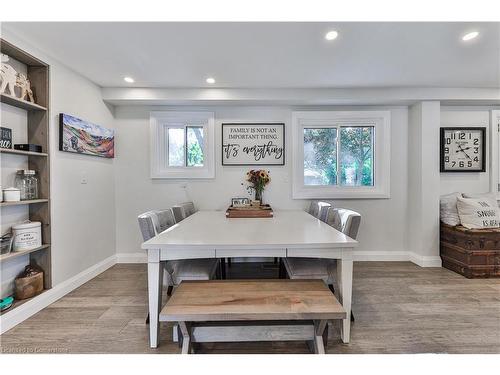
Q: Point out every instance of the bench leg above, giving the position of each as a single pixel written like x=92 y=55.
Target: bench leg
x=186 y=339
x=319 y=328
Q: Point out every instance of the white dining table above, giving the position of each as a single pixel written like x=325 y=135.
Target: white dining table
x=209 y=234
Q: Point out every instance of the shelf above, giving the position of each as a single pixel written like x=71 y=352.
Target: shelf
x=19 y=152
x=18 y=303
x=20 y=203
x=16 y=254
x=36 y=126
x=24 y=104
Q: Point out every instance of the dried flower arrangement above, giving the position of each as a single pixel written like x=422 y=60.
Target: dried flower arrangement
x=258 y=179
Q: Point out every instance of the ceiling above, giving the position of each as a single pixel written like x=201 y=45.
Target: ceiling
x=278 y=55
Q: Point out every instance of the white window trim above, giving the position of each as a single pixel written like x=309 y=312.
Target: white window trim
x=159 y=122
x=495 y=153
x=382 y=153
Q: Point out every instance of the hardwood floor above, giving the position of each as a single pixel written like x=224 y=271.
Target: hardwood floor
x=399 y=308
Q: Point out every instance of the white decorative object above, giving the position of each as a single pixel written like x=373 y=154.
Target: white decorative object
x=478 y=213
x=8 y=75
x=27 y=236
x=253 y=144
x=448 y=209
x=24 y=83
x=12 y=194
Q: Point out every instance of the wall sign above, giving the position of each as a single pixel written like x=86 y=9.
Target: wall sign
x=5 y=137
x=253 y=144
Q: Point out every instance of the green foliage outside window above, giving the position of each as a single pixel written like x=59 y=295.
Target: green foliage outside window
x=356 y=156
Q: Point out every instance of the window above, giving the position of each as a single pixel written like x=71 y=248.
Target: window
x=341 y=154
x=182 y=145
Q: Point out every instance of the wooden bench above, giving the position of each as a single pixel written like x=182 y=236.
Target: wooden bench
x=252 y=310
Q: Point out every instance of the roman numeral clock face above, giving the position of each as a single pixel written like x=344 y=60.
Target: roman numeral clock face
x=462 y=149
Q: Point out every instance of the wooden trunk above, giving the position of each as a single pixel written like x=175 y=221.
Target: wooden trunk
x=473 y=253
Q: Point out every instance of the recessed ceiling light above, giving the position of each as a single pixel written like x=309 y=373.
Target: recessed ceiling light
x=470 y=36
x=210 y=80
x=129 y=79
x=331 y=35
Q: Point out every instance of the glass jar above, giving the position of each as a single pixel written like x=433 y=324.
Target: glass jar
x=27 y=182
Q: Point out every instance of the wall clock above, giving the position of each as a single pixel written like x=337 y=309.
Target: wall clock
x=463 y=149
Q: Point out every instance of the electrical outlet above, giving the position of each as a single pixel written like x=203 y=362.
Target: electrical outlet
x=83 y=179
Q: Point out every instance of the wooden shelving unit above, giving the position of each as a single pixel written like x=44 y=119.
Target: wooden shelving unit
x=20 y=203
x=16 y=254
x=19 y=152
x=37 y=133
x=18 y=303
x=16 y=102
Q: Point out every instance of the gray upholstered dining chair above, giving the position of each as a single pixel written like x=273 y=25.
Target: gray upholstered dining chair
x=319 y=209
x=154 y=222
x=345 y=221
x=183 y=210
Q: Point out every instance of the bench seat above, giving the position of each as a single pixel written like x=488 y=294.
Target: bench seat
x=252 y=310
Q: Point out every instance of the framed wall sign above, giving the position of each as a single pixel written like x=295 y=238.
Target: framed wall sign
x=463 y=149
x=253 y=144
x=5 y=137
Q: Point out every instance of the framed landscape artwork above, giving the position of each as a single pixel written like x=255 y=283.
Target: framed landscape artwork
x=253 y=144
x=83 y=137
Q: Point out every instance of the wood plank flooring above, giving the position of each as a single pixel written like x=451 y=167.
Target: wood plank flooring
x=399 y=308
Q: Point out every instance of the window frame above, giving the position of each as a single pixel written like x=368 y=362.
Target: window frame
x=380 y=120
x=160 y=122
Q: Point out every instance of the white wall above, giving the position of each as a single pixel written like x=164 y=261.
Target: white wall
x=83 y=216
x=423 y=184
x=136 y=192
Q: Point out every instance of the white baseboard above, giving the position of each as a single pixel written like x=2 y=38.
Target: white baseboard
x=425 y=260
x=141 y=257
x=381 y=256
x=27 y=309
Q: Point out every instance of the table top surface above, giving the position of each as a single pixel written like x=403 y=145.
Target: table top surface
x=287 y=229
x=223 y=300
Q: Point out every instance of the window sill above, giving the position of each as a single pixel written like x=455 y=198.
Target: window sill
x=324 y=192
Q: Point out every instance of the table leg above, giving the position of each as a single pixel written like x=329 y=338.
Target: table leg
x=344 y=274
x=155 y=283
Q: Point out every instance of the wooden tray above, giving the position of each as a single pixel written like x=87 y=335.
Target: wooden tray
x=249 y=212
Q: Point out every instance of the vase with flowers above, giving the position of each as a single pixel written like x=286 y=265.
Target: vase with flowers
x=257 y=179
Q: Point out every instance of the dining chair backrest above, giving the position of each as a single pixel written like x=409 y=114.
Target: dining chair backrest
x=313 y=208
x=154 y=222
x=183 y=210
x=323 y=210
x=344 y=220
x=188 y=208
x=178 y=213
x=319 y=209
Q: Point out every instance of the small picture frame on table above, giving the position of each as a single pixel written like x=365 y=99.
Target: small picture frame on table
x=240 y=202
